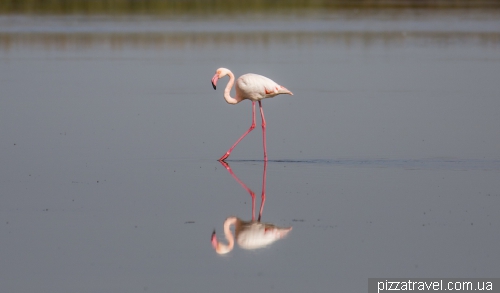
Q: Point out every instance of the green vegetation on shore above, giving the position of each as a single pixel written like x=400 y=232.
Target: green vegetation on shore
x=172 y=7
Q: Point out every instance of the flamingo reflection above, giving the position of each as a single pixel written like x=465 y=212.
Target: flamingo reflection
x=249 y=234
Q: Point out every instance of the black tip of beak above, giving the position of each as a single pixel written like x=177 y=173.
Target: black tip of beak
x=213 y=233
x=214 y=86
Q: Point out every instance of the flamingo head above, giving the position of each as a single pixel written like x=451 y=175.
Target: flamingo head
x=219 y=73
x=215 y=243
x=220 y=248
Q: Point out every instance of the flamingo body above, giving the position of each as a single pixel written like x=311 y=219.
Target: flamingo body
x=256 y=87
x=253 y=87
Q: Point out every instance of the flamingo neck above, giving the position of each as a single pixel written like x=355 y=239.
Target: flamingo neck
x=223 y=248
x=227 y=91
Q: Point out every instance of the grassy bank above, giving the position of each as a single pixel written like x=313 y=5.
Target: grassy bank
x=173 y=7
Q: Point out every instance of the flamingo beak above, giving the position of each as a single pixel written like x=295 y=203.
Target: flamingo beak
x=214 y=80
x=214 y=240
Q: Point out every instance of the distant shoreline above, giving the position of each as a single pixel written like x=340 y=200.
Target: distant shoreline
x=197 y=7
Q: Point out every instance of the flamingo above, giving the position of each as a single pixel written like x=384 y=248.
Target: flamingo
x=249 y=234
x=253 y=87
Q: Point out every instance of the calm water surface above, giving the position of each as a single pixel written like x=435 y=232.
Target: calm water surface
x=385 y=161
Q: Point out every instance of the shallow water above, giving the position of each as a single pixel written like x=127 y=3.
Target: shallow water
x=385 y=161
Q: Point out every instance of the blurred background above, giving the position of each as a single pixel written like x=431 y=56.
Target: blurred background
x=142 y=23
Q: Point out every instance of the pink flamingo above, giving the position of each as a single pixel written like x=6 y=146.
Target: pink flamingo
x=253 y=87
x=249 y=234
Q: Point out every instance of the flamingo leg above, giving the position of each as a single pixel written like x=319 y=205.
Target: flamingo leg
x=263 y=131
x=226 y=155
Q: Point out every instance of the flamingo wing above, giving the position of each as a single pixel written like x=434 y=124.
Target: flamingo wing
x=257 y=87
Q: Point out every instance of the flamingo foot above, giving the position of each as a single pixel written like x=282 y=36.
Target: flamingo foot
x=224 y=157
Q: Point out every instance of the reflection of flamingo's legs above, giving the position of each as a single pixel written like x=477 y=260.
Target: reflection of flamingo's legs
x=252 y=194
x=226 y=165
x=263 y=197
